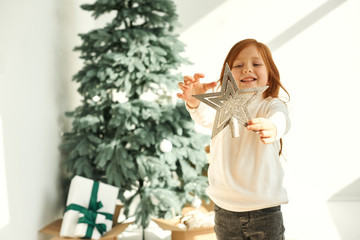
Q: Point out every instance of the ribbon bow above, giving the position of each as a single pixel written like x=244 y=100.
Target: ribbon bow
x=90 y=219
x=91 y=212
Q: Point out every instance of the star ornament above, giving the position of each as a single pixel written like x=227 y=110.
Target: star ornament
x=231 y=104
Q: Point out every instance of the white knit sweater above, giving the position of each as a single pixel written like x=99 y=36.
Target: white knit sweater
x=244 y=173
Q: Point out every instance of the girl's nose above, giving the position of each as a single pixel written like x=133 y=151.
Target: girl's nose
x=247 y=70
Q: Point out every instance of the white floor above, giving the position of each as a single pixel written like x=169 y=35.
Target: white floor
x=323 y=220
x=346 y=216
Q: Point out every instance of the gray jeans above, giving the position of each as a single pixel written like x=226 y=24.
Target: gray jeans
x=263 y=224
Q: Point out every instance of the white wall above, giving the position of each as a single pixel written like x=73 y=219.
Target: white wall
x=4 y=203
x=37 y=63
x=315 y=44
x=35 y=72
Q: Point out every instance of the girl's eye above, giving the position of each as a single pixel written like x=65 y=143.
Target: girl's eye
x=238 y=66
x=257 y=64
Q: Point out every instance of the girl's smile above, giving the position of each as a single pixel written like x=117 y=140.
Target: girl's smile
x=248 y=79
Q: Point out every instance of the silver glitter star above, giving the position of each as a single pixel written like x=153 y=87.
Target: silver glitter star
x=231 y=103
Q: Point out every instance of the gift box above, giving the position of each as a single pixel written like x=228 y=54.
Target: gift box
x=89 y=209
x=181 y=232
x=53 y=229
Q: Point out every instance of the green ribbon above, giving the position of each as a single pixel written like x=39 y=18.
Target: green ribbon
x=91 y=212
x=90 y=219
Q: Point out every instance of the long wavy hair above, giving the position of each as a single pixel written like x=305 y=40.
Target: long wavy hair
x=273 y=73
x=274 y=82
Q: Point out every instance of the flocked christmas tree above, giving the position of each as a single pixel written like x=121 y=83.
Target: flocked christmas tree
x=146 y=147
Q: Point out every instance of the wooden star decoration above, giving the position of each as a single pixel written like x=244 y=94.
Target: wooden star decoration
x=231 y=103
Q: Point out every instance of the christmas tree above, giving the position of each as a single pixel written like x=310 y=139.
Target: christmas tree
x=145 y=146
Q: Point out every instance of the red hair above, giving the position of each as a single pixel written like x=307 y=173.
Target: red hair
x=273 y=73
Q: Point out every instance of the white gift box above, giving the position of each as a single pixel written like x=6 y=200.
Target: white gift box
x=80 y=194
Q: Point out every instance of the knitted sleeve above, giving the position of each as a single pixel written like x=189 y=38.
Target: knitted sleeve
x=203 y=115
x=278 y=114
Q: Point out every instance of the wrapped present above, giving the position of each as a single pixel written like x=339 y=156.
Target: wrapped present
x=89 y=209
x=53 y=229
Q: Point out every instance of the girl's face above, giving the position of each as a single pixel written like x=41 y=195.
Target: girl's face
x=249 y=69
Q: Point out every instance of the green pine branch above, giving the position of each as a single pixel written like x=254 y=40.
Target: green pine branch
x=118 y=142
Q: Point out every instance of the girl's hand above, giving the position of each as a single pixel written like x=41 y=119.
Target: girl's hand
x=192 y=86
x=265 y=128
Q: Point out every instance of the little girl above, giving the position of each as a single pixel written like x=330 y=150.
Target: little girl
x=245 y=174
